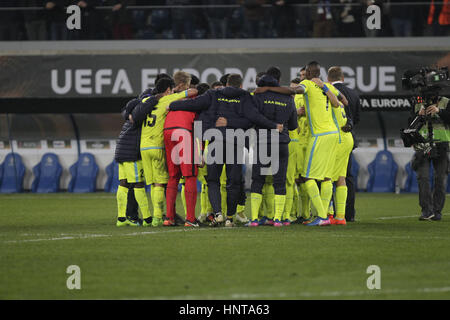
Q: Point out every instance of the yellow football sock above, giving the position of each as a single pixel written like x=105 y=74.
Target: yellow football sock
x=240 y=208
x=158 y=201
x=289 y=201
x=256 y=200
x=341 y=199
x=269 y=199
x=223 y=197
x=203 y=197
x=314 y=195
x=183 y=199
x=306 y=201
x=122 y=200
x=141 y=198
x=294 y=210
x=326 y=192
x=280 y=200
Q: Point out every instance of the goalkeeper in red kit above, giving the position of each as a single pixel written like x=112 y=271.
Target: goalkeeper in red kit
x=182 y=157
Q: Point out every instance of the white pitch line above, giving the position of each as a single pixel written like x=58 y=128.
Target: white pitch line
x=297 y=294
x=87 y=236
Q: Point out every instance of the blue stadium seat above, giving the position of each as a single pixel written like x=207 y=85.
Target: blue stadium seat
x=47 y=174
x=12 y=173
x=382 y=173
x=112 y=182
x=84 y=174
x=411 y=184
x=355 y=172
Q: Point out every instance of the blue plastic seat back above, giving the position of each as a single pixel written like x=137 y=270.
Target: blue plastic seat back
x=84 y=174
x=112 y=181
x=382 y=173
x=13 y=172
x=47 y=174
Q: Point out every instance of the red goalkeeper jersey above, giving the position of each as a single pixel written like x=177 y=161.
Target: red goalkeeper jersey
x=180 y=119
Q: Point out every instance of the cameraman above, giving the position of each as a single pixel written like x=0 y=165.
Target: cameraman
x=432 y=202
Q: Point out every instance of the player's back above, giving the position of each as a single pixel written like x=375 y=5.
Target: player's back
x=152 y=127
x=318 y=109
x=279 y=108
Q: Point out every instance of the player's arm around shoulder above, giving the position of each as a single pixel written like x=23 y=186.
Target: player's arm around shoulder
x=199 y=103
x=143 y=108
x=329 y=92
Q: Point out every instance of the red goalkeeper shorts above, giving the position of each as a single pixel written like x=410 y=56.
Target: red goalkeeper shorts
x=182 y=153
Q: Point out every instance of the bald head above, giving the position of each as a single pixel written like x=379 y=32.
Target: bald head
x=335 y=74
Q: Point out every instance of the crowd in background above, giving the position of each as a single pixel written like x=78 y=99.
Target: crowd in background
x=247 y=19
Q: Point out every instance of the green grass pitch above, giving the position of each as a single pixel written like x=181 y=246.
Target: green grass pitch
x=41 y=235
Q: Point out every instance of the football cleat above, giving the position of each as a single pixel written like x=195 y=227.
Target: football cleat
x=202 y=217
x=123 y=223
x=241 y=217
x=229 y=223
x=252 y=223
x=178 y=219
x=318 y=221
x=157 y=222
x=219 y=217
x=340 y=222
x=277 y=223
x=194 y=224
x=426 y=216
x=437 y=217
x=169 y=223
x=147 y=222
x=331 y=218
x=286 y=222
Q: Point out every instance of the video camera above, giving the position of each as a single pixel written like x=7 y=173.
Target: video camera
x=425 y=83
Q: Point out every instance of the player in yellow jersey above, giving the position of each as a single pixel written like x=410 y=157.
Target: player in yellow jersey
x=152 y=140
x=292 y=169
x=303 y=137
x=339 y=172
x=319 y=100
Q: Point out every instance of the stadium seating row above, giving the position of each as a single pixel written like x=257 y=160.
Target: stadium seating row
x=47 y=174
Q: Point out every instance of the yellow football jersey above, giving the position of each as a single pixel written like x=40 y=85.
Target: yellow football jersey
x=318 y=108
x=152 y=128
x=303 y=126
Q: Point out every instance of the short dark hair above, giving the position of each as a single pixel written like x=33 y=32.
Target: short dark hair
x=234 y=80
x=163 y=84
x=335 y=73
x=303 y=68
x=314 y=69
x=296 y=80
x=162 y=76
x=224 y=79
x=274 y=72
x=194 y=80
x=259 y=75
x=202 y=88
x=216 y=84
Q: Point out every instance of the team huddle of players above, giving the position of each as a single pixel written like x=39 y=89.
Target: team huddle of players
x=311 y=147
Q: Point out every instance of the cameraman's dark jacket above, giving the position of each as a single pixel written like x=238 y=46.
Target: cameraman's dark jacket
x=277 y=107
x=128 y=143
x=234 y=104
x=444 y=114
